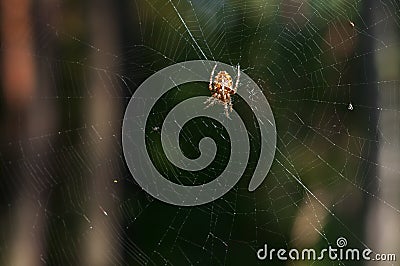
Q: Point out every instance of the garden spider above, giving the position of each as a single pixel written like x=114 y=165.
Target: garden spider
x=222 y=89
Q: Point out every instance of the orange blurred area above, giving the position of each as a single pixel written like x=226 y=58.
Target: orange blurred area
x=18 y=64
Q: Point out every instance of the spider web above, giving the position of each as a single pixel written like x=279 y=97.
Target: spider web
x=329 y=70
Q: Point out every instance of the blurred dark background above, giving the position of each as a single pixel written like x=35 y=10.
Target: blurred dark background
x=329 y=69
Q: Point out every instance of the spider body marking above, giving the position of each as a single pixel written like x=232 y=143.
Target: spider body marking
x=222 y=88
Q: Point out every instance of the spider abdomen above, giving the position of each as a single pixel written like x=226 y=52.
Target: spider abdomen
x=224 y=78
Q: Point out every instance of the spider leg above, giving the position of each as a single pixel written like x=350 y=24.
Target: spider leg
x=237 y=79
x=211 y=77
x=210 y=101
x=211 y=98
x=226 y=110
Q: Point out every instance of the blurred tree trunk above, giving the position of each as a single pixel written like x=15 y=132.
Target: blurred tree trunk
x=383 y=229
x=24 y=80
x=104 y=109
